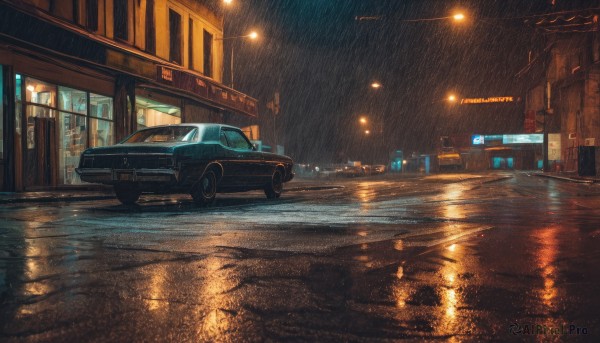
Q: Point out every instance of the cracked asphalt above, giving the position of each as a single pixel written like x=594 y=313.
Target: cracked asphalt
x=457 y=257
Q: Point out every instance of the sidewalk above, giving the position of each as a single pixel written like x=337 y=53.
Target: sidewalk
x=55 y=196
x=569 y=176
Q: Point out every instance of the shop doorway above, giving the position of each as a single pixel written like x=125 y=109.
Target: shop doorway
x=41 y=153
x=503 y=163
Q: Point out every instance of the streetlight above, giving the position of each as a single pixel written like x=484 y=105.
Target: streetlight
x=252 y=36
x=363 y=120
x=228 y=2
x=458 y=17
x=376 y=85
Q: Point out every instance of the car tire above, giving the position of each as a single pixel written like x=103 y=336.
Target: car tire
x=275 y=186
x=127 y=194
x=205 y=190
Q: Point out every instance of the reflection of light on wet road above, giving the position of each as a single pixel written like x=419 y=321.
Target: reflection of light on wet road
x=450 y=302
x=453 y=192
x=216 y=323
x=35 y=257
x=366 y=191
x=156 y=297
x=546 y=256
x=399 y=245
x=450 y=298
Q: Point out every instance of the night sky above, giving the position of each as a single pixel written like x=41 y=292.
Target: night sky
x=322 y=60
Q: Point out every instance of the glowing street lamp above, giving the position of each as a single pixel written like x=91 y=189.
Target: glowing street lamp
x=253 y=35
x=376 y=85
x=363 y=120
x=451 y=98
x=458 y=17
x=228 y=2
x=367 y=132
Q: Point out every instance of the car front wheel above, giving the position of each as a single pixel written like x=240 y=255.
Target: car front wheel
x=127 y=194
x=205 y=190
x=275 y=187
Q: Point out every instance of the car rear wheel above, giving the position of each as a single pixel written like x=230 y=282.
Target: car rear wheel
x=275 y=187
x=205 y=190
x=127 y=194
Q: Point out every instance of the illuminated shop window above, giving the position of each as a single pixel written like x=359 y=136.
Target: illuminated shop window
x=101 y=120
x=153 y=113
x=81 y=119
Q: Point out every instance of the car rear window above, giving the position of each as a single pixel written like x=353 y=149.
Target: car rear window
x=164 y=134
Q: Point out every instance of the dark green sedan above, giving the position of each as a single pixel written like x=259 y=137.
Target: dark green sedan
x=198 y=159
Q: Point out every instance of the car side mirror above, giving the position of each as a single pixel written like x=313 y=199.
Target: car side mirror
x=254 y=147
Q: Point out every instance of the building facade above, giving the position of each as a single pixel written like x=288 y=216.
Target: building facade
x=562 y=83
x=84 y=73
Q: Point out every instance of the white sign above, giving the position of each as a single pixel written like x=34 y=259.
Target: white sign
x=554 y=146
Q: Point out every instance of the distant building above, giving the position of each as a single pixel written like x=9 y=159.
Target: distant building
x=83 y=73
x=562 y=82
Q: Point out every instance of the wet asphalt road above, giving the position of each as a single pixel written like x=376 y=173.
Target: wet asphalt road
x=455 y=257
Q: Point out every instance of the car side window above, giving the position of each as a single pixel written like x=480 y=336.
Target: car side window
x=237 y=140
x=223 y=139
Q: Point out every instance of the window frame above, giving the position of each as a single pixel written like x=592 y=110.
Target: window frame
x=175 y=45
x=207 y=51
x=124 y=20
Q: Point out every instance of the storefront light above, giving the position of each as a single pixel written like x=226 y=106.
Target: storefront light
x=30 y=88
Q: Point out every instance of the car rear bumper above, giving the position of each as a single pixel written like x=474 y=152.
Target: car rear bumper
x=449 y=162
x=112 y=176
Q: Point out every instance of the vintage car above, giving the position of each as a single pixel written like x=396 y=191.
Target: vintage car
x=199 y=159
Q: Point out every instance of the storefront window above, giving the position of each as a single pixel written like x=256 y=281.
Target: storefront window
x=72 y=100
x=101 y=129
x=80 y=119
x=39 y=92
x=73 y=140
x=101 y=133
x=101 y=106
x=153 y=113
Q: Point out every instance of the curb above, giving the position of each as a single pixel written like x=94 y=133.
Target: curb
x=564 y=178
x=55 y=198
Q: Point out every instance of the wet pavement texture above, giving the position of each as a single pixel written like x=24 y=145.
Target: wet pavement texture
x=458 y=257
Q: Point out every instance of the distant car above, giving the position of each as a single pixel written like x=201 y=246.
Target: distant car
x=367 y=169
x=449 y=159
x=199 y=159
x=327 y=172
x=352 y=171
x=379 y=169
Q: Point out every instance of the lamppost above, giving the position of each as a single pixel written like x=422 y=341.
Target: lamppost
x=379 y=116
x=450 y=99
x=368 y=130
x=252 y=36
x=458 y=17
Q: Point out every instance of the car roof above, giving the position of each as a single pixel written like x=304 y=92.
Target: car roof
x=208 y=131
x=198 y=125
